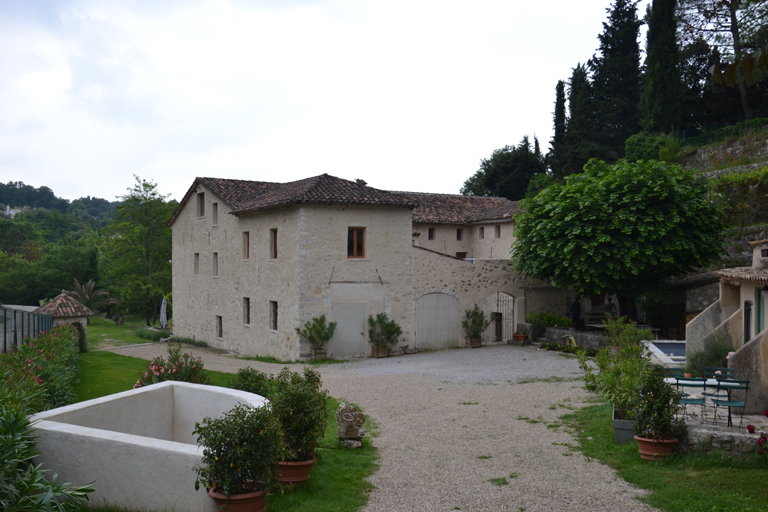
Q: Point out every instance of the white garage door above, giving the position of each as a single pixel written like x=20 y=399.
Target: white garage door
x=349 y=338
x=437 y=321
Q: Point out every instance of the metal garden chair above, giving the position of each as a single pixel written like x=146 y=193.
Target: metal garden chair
x=729 y=386
x=687 y=399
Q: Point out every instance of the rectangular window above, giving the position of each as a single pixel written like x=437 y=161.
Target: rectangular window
x=201 y=204
x=215 y=266
x=461 y=255
x=246 y=311
x=356 y=243
x=214 y=214
x=273 y=243
x=459 y=233
x=197 y=263
x=246 y=245
x=498 y=231
x=481 y=233
x=273 y=315
x=431 y=234
x=219 y=328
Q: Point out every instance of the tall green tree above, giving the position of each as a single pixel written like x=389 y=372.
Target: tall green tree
x=137 y=249
x=660 y=100
x=579 y=140
x=555 y=157
x=616 y=80
x=507 y=172
x=620 y=228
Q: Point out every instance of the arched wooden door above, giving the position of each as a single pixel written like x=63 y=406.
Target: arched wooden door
x=437 y=321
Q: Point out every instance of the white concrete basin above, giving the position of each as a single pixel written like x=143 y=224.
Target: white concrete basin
x=137 y=445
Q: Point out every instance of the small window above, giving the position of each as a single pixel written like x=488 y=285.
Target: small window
x=461 y=255
x=764 y=253
x=215 y=266
x=481 y=233
x=197 y=263
x=273 y=315
x=273 y=243
x=356 y=243
x=201 y=204
x=219 y=328
x=459 y=234
x=246 y=311
x=214 y=214
x=498 y=231
x=246 y=245
x=431 y=233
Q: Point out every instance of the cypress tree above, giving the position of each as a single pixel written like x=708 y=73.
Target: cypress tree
x=616 y=80
x=557 y=143
x=660 y=100
x=579 y=145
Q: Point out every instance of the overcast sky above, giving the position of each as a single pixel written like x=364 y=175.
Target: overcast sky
x=407 y=95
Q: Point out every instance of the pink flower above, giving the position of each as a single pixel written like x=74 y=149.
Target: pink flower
x=729 y=355
x=718 y=372
x=751 y=429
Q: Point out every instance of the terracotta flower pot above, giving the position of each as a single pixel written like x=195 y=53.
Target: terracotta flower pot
x=519 y=337
x=687 y=375
x=249 y=502
x=294 y=472
x=475 y=342
x=380 y=351
x=655 y=449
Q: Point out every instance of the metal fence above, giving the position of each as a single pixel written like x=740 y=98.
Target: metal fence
x=16 y=325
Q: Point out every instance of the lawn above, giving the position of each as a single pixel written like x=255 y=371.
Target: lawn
x=104 y=333
x=338 y=479
x=698 y=483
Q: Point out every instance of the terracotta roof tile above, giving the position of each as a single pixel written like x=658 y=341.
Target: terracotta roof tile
x=64 y=306
x=743 y=275
x=458 y=209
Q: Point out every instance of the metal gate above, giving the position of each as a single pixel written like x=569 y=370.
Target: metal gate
x=505 y=316
x=437 y=321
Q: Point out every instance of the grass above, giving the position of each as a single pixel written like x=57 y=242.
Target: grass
x=338 y=479
x=695 y=483
x=105 y=333
x=499 y=481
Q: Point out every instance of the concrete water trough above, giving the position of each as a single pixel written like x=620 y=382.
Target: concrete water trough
x=136 y=446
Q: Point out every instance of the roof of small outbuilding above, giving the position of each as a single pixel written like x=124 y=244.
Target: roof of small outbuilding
x=738 y=275
x=245 y=197
x=64 y=306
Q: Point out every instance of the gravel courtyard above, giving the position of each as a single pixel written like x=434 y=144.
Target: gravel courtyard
x=439 y=412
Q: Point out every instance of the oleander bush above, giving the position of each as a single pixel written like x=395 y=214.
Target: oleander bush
x=179 y=367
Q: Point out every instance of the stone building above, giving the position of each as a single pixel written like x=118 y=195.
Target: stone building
x=254 y=260
x=66 y=310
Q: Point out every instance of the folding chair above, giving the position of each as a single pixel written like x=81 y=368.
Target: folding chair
x=712 y=372
x=687 y=399
x=729 y=386
x=675 y=372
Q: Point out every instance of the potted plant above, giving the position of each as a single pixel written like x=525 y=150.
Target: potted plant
x=521 y=334
x=318 y=333
x=240 y=453
x=382 y=333
x=658 y=402
x=474 y=324
x=300 y=406
x=620 y=367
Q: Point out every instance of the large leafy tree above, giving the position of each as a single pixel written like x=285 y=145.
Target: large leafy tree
x=620 y=228
x=507 y=172
x=660 y=100
x=616 y=79
x=137 y=249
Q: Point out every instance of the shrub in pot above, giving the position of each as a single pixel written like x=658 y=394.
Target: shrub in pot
x=658 y=402
x=318 y=332
x=474 y=323
x=383 y=333
x=240 y=454
x=620 y=367
x=299 y=404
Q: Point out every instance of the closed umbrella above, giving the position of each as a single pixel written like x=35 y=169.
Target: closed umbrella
x=163 y=315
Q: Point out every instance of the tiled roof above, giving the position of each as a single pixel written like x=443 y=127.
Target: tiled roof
x=457 y=209
x=695 y=281
x=738 y=275
x=245 y=197
x=64 y=306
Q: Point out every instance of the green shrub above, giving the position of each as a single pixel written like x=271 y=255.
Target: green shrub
x=715 y=351
x=24 y=486
x=549 y=319
x=657 y=405
x=188 y=341
x=50 y=361
x=300 y=405
x=240 y=450
x=383 y=332
x=557 y=347
x=179 y=367
x=317 y=332
x=253 y=381
x=475 y=322
x=151 y=334
x=750 y=127
x=82 y=339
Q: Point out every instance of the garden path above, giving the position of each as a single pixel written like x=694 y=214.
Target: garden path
x=451 y=421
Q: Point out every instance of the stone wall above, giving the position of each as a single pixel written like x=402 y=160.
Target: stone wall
x=706 y=158
x=583 y=339
x=700 y=298
x=489 y=247
x=709 y=439
x=750 y=362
